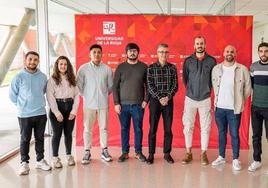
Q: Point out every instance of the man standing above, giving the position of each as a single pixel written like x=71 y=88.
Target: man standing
x=130 y=99
x=162 y=86
x=27 y=93
x=231 y=83
x=95 y=81
x=259 y=107
x=197 y=70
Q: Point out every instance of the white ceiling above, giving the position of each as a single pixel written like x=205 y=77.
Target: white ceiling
x=11 y=11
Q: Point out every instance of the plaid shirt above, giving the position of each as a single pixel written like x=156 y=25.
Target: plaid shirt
x=162 y=81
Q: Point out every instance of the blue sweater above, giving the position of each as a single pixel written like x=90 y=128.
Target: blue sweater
x=27 y=93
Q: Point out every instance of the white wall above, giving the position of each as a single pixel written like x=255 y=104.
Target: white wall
x=259 y=33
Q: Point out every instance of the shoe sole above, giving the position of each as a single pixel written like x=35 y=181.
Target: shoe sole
x=85 y=162
x=24 y=173
x=185 y=163
x=105 y=159
x=218 y=164
x=72 y=164
x=123 y=160
x=38 y=167
x=250 y=170
x=57 y=167
x=140 y=159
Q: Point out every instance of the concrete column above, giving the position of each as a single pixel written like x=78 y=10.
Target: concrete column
x=66 y=47
x=10 y=50
x=58 y=42
x=11 y=30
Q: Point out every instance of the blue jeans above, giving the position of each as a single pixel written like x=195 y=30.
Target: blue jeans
x=136 y=112
x=225 y=117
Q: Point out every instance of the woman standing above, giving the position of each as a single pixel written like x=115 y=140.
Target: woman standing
x=63 y=99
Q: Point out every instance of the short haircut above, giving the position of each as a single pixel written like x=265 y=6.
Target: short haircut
x=31 y=53
x=95 y=46
x=263 y=44
x=130 y=46
x=162 y=45
x=200 y=37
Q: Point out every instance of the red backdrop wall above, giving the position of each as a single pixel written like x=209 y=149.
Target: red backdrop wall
x=113 y=32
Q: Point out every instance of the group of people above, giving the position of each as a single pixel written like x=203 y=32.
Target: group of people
x=134 y=85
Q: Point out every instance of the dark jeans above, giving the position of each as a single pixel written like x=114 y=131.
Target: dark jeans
x=225 y=117
x=66 y=126
x=38 y=124
x=156 y=109
x=136 y=112
x=258 y=115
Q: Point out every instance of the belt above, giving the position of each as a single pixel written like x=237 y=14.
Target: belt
x=65 y=100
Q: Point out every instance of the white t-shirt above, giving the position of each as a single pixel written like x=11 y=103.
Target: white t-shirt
x=226 y=91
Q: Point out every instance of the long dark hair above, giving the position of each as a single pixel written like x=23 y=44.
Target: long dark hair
x=69 y=73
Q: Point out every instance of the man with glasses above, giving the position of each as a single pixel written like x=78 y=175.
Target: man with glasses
x=197 y=70
x=130 y=99
x=162 y=86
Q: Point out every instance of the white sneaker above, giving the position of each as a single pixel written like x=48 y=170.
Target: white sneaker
x=254 y=166
x=56 y=162
x=70 y=160
x=24 y=169
x=106 y=156
x=236 y=165
x=43 y=165
x=220 y=160
x=87 y=157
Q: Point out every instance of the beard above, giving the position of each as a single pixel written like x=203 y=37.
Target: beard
x=264 y=58
x=132 y=58
x=229 y=58
x=31 y=67
x=200 y=50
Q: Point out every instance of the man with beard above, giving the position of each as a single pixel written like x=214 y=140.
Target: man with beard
x=130 y=99
x=197 y=70
x=259 y=107
x=27 y=91
x=162 y=86
x=231 y=84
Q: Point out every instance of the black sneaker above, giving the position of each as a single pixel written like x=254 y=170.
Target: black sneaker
x=87 y=157
x=168 y=158
x=150 y=159
x=106 y=156
x=123 y=157
x=140 y=157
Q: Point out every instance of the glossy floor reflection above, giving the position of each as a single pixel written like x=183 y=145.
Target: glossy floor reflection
x=133 y=173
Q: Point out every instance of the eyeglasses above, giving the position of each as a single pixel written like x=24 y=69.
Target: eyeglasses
x=163 y=52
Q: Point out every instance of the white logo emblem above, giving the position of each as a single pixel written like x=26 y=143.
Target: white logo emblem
x=108 y=28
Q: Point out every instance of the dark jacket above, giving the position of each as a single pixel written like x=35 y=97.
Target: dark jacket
x=197 y=76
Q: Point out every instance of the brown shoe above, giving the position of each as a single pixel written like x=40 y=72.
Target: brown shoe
x=187 y=159
x=204 y=159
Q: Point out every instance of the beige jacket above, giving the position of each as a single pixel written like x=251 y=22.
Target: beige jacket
x=242 y=85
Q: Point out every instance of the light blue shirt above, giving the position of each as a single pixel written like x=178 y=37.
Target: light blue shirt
x=95 y=84
x=27 y=93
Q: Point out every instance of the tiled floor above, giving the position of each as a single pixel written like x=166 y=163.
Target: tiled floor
x=133 y=173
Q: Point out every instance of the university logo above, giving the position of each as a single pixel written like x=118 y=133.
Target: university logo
x=109 y=28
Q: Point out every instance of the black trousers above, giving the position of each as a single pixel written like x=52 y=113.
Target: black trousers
x=156 y=109
x=66 y=126
x=38 y=124
x=258 y=115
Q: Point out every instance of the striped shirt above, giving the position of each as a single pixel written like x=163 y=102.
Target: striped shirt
x=162 y=81
x=259 y=80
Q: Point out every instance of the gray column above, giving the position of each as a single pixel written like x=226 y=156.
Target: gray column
x=12 y=46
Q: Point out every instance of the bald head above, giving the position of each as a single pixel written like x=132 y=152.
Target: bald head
x=229 y=54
